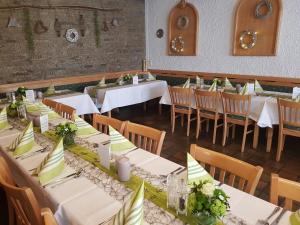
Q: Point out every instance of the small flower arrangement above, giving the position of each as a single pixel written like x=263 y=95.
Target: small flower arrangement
x=67 y=131
x=21 y=91
x=12 y=108
x=208 y=203
x=127 y=77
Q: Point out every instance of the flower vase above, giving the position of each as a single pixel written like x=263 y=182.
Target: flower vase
x=206 y=219
x=69 y=139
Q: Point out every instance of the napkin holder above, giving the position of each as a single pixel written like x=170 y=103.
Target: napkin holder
x=123 y=168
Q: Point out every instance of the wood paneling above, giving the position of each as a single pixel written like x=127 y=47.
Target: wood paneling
x=238 y=78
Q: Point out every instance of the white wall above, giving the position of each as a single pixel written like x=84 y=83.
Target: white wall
x=215 y=40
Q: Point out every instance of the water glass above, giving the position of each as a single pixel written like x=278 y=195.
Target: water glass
x=171 y=190
x=182 y=197
x=22 y=112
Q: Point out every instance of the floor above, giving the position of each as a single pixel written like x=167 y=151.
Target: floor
x=177 y=145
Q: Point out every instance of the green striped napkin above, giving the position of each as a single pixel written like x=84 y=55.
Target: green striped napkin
x=132 y=213
x=24 y=142
x=187 y=83
x=196 y=172
x=101 y=83
x=295 y=218
x=227 y=84
x=213 y=87
x=198 y=81
x=84 y=128
x=120 y=80
x=244 y=90
x=150 y=77
x=257 y=87
x=119 y=143
x=43 y=109
x=52 y=165
x=3 y=120
x=50 y=90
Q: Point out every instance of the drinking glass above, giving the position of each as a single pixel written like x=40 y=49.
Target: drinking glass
x=182 y=197
x=171 y=190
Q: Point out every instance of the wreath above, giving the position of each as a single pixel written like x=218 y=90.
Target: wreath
x=253 y=38
x=262 y=3
x=72 y=35
x=177 y=44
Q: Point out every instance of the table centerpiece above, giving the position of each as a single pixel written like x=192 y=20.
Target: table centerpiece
x=67 y=131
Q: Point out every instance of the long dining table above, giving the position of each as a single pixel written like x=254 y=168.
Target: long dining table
x=96 y=196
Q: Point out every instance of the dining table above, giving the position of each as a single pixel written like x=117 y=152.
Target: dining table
x=94 y=197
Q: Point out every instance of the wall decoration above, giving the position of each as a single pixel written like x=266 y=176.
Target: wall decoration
x=28 y=30
x=96 y=29
x=57 y=27
x=160 y=33
x=40 y=28
x=257 y=25
x=82 y=27
x=12 y=22
x=183 y=30
x=72 y=35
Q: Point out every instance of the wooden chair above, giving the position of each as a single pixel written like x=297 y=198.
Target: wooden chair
x=23 y=207
x=289 y=122
x=229 y=170
x=280 y=187
x=208 y=103
x=51 y=104
x=236 y=112
x=48 y=217
x=181 y=99
x=66 y=111
x=144 y=137
x=101 y=123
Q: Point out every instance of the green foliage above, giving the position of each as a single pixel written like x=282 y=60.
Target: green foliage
x=96 y=29
x=21 y=91
x=65 y=129
x=28 y=30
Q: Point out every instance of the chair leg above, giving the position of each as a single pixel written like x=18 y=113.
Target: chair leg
x=198 y=129
x=244 y=137
x=173 y=120
x=207 y=125
x=233 y=132
x=283 y=142
x=279 y=147
x=269 y=138
x=255 y=136
x=182 y=120
x=188 y=125
x=224 y=133
x=215 y=130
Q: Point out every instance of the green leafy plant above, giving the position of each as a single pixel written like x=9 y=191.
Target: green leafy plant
x=97 y=29
x=207 y=200
x=12 y=108
x=21 y=91
x=127 y=77
x=28 y=30
x=67 y=131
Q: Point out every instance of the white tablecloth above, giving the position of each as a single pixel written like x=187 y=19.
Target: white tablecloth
x=114 y=97
x=81 y=102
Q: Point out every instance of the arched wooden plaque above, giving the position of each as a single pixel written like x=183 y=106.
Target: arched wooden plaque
x=267 y=28
x=183 y=30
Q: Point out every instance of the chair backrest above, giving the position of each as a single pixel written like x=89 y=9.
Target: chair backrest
x=289 y=112
x=228 y=170
x=51 y=104
x=280 y=187
x=5 y=174
x=181 y=96
x=144 y=137
x=66 y=111
x=101 y=123
x=48 y=217
x=236 y=104
x=207 y=100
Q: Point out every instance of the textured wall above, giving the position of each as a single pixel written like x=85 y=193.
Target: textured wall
x=215 y=40
x=122 y=47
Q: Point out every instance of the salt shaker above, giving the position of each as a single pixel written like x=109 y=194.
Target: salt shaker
x=123 y=168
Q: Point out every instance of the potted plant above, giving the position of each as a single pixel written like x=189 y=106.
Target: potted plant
x=127 y=77
x=12 y=108
x=21 y=91
x=207 y=203
x=67 y=131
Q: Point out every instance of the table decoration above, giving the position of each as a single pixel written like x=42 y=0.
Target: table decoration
x=104 y=155
x=182 y=197
x=101 y=83
x=257 y=87
x=84 y=129
x=295 y=218
x=187 y=83
x=208 y=203
x=24 y=142
x=52 y=165
x=50 y=90
x=133 y=211
x=3 y=120
x=227 y=84
x=120 y=80
x=123 y=168
x=244 y=90
x=67 y=131
x=214 y=86
x=12 y=108
x=150 y=77
x=118 y=143
x=21 y=92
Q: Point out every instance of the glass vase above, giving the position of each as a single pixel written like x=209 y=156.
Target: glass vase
x=69 y=139
x=205 y=219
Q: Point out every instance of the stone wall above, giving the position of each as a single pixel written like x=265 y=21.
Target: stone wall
x=121 y=48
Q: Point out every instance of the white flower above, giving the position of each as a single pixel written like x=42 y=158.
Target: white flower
x=208 y=189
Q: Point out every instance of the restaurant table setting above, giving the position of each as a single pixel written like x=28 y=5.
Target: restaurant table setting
x=72 y=181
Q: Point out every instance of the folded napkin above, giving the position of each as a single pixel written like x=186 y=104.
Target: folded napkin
x=295 y=218
x=187 y=83
x=50 y=90
x=24 y=142
x=43 y=109
x=102 y=83
x=297 y=99
x=257 y=87
x=132 y=213
x=196 y=172
x=84 y=128
x=245 y=90
x=198 y=81
x=3 y=120
x=151 y=77
x=213 y=87
x=119 y=143
x=52 y=165
x=120 y=80
x=227 y=84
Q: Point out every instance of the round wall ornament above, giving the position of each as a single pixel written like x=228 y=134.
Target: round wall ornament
x=248 y=39
x=177 y=44
x=183 y=22
x=264 y=15
x=72 y=35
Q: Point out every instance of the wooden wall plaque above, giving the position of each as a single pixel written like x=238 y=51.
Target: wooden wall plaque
x=257 y=21
x=183 y=30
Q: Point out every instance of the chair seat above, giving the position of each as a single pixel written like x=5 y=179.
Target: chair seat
x=236 y=117
x=291 y=127
x=181 y=107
